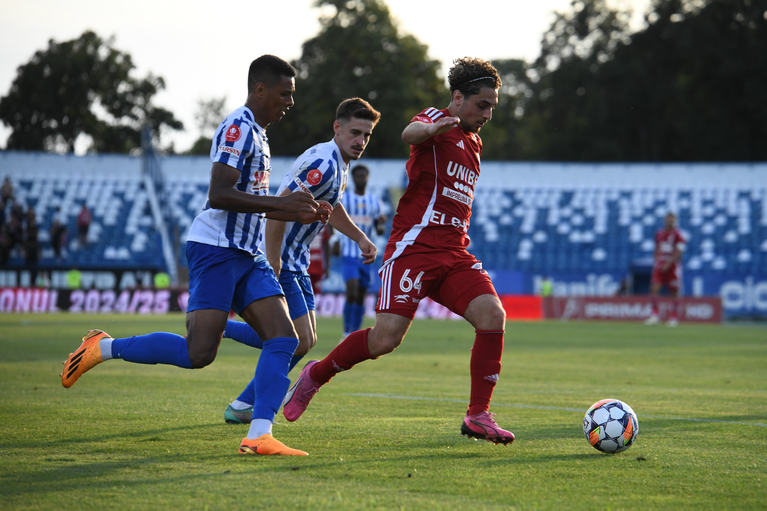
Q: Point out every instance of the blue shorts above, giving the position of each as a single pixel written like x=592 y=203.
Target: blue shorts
x=354 y=268
x=227 y=278
x=297 y=287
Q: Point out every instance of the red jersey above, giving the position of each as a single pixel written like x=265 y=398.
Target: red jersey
x=666 y=243
x=436 y=206
x=317 y=253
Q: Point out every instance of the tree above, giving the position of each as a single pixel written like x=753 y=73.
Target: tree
x=359 y=52
x=688 y=87
x=503 y=137
x=210 y=112
x=82 y=87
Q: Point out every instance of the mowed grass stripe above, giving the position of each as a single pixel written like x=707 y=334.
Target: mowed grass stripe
x=557 y=408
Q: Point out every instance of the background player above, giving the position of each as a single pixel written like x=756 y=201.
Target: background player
x=667 y=267
x=426 y=254
x=319 y=257
x=227 y=270
x=365 y=210
x=322 y=170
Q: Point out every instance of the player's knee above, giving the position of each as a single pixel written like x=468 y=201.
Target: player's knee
x=493 y=318
x=383 y=344
x=201 y=358
x=305 y=344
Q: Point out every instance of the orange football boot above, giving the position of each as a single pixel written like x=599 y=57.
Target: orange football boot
x=84 y=357
x=268 y=445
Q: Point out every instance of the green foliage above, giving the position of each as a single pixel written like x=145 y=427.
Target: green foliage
x=359 y=52
x=82 y=87
x=384 y=435
x=210 y=112
x=688 y=87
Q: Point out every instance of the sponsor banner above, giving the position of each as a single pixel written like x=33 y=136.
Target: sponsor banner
x=631 y=308
x=524 y=307
x=57 y=278
x=106 y=301
x=743 y=295
x=161 y=301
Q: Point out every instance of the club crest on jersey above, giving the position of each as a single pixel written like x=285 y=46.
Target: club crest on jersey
x=233 y=133
x=313 y=177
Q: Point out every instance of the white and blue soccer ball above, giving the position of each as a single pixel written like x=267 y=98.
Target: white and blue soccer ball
x=610 y=425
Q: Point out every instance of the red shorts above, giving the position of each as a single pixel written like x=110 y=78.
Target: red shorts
x=671 y=278
x=452 y=278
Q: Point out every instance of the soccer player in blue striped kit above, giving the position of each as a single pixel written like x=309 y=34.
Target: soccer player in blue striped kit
x=227 y=269
x=365 y=210
x=322 y=170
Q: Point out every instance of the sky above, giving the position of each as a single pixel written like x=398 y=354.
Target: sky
x=203 y=48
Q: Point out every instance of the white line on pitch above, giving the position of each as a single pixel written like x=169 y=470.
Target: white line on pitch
x=558 y=408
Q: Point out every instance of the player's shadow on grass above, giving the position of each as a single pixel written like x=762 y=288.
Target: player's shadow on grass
x=88 y=476
x=151 y=434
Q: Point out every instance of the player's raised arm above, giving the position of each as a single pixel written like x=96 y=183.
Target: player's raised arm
x=418 y=131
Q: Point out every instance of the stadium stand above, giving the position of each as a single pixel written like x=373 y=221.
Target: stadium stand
x=536 y=218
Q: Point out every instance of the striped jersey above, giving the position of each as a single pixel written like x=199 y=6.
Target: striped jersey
x=321 y=171
x=241 y=143
x=442 y=173
x=363 y=210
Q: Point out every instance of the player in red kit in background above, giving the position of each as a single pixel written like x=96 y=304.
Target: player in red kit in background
x=667 y=268
x=319 y=257
x=426 y=253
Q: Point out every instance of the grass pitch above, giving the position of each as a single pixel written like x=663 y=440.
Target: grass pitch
x=385 y=435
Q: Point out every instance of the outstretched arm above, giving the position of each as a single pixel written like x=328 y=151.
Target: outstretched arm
x=298 y=206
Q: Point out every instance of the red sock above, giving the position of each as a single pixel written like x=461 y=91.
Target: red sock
x=654 y=301
x=674 y=307
x=351 y=351
x=484 y=368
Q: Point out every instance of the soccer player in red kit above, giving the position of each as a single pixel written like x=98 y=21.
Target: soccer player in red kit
x=426 y=253
x=667 y=268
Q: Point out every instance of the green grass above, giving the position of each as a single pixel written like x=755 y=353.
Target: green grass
x=385 y=434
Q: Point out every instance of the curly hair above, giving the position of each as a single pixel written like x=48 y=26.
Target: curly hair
x=470 y=74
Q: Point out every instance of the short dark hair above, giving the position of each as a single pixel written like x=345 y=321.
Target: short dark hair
x=268 y=69
x=361 y=168
x=469 y=74
x=357 y=108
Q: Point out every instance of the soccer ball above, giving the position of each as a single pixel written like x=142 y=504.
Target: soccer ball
x=610 y=425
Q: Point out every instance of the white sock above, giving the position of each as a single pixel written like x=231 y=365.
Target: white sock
x=259 y=427
x=105 y=345
x=240 y=405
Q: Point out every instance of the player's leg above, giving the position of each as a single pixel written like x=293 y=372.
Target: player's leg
x=655 y=285
x=269 y=317
x=241 y=332
x=299 y=295
x=382 y=338
x=469 y=292
x=398 y=300
x=363 y=282
x=674 y=284
x=349 y=305
x=212 y=275
x=349 y=271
